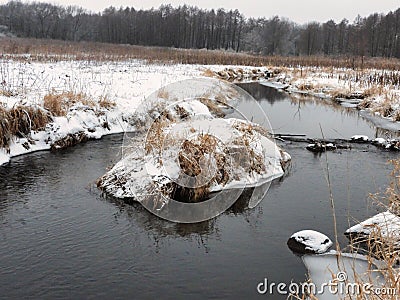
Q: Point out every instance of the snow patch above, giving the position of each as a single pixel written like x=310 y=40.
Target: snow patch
x=360 y=138
x=385 y=224
x=344 y=267
x=312 y=241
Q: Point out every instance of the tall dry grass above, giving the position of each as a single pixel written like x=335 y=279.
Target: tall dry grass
x=58 y=104
x=382 y=243
x=54 y=50
x=20 y=121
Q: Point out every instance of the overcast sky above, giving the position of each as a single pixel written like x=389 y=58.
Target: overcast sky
x=300 y=11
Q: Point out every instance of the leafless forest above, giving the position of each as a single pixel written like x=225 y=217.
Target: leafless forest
x=190 y=27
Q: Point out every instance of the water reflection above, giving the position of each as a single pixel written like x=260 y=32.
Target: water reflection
x=261 y=92
x=136 y=213
x=301 y=114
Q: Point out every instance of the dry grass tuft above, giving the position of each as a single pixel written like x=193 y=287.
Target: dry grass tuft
x=305 y=86
x=194 y=159
x=6 y=93
x=384 y=246
x=58 y=104
x=396 y=116
x=385 y=108
x=215 y=107
x=208 y=73
x=364 y=104
x=392 y=193
x=70 y=140
x=204 y=159
x=375 y=90
x=156 y=135
x=106 y=103
x=20 y=121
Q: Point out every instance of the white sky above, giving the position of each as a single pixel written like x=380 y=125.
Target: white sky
x=300 y=11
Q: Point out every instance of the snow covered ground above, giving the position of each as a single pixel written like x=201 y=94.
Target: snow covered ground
x=126 y=83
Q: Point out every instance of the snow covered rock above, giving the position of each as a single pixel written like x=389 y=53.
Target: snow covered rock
x=309 y=241
x=379 y=142
x=359 y=138
x=321 y=147
x=389 y=144
x=393 y=144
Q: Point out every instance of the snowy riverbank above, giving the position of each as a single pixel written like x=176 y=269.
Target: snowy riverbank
x=124 y=85
x=377 y=92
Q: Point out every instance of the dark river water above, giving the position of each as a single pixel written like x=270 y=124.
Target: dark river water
x=59 y=238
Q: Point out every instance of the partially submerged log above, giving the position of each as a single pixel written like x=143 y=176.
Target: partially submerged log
x=322 y=145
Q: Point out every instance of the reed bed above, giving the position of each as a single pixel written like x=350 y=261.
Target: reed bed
x=54 y=50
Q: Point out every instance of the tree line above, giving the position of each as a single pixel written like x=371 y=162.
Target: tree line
x=192 y=27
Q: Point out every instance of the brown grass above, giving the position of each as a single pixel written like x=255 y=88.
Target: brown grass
x=396 y=116
x=374 y=90
x=215 y=107
x=384 y=247
x=208 y=73
x=392 y=193
x=6 y=93
x=70 y=140
x=305 y=87
x=191 y=154
x=55 y=50
x=58 y=104
x=385 y=108
x=155 y=136
x=253 y=161
x=106 y=103
x=20 y=121
x=199 y=149
x=364 y=104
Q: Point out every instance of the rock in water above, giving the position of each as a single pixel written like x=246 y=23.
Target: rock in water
x=359 y=138
x=309 y=241
x=321 y=147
